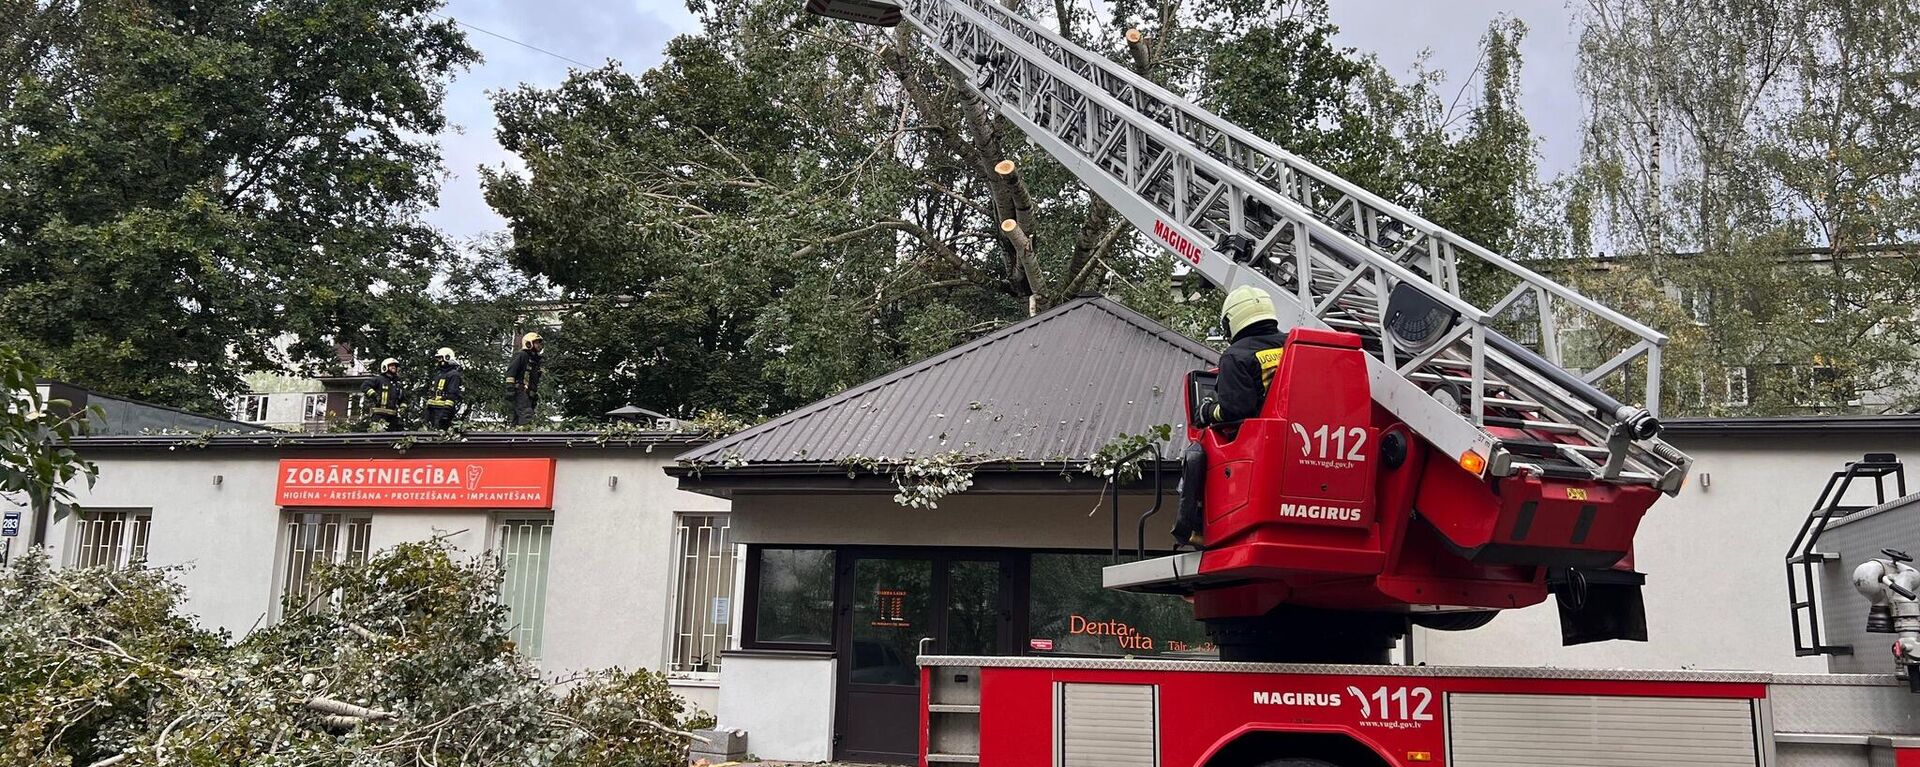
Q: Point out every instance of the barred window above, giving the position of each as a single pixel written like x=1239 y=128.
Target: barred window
x=703 y=595
x=110 y=539
x=525 y=546
x=314 y=539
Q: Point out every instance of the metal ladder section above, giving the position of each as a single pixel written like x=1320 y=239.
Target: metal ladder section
x=953 y=715
x=1803 y=559
x=1240 y=210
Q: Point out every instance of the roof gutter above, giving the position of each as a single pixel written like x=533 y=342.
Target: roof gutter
x=1799 y=426
x=396 y=441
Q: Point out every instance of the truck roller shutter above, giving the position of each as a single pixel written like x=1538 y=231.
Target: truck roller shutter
x=1108 y=725
x=1486 y=730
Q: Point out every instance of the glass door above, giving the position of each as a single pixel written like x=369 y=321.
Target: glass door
x=958 y=605
x=890 y=608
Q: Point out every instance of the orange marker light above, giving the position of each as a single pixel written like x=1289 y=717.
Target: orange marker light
x=1419 y=756
x=1473 y=462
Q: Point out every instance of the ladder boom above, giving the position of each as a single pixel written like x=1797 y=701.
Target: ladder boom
x=1239 y=210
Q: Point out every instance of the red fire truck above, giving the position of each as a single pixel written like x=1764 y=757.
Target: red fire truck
x=1412 y=464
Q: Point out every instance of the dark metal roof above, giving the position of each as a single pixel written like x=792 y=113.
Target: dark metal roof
x=1798 y=425
x=532 y=440
x=121 y=415
x=1053 y=389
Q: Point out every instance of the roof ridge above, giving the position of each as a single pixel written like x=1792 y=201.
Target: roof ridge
x=890 y=377
x=1156 y=328
x=1107 y=307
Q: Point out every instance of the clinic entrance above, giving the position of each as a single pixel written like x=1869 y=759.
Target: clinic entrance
x=892 y=601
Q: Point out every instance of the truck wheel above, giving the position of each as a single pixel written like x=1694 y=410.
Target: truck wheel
x=1454 y=621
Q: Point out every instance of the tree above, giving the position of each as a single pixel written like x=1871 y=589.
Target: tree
x=36 y=460
x=402 y=661
x=788 y=205
x=183 y=184
x=1753 y=168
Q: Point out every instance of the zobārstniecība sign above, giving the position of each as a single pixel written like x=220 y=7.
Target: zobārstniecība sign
x=493 y=483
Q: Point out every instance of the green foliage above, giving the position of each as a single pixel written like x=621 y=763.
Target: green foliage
x=1754 y=168
x=788 y=206
x=183 y=183
x=402 y=661
x=1106 y=462
x=921 y=480
x=35 y=457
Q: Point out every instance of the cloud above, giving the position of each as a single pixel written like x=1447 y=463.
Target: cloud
x=1397 y=31
x=634 y=33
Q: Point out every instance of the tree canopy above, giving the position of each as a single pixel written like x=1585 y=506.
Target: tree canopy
x=789 y=205
x=185 y=186
x=1752 y=172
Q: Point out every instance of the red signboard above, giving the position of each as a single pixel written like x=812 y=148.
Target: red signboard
x=485 y=483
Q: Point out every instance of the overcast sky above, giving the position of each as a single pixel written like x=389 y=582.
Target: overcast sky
x=635 y=31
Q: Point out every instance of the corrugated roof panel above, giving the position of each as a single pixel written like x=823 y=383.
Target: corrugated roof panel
x=1053 y=388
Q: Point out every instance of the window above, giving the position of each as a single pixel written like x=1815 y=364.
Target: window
x=793 y=597
x=251 y=408
x=314 y=539
x=1737 y=392
x=703 y=602
x=314 y=410
x=356 y=406
x=525 y=546
x=1068 y=606
x=110 y=539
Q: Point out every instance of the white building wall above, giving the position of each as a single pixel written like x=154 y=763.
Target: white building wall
x=609 y=583
x=1716 y=590
x=212 y=516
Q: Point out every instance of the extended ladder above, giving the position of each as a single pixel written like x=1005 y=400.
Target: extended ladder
x=1241 y=211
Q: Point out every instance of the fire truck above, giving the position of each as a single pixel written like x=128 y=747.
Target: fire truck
x=1423 y=458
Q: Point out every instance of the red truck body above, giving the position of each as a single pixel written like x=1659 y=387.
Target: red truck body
x=1048 y=712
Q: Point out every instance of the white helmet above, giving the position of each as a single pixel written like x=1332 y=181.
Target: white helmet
x=388 y=361
x=444 y=355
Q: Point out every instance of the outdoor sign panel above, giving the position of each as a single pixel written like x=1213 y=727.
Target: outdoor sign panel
x=10 y=524
x=488 y=483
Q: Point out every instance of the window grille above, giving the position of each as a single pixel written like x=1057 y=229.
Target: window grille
x=315 y=539
x=703 y=595
x=110 y=539
x=525 y=547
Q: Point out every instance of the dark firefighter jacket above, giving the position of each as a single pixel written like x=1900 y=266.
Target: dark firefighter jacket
x=1246 y=370
x=383 y=394
x=524 y=373
x=445 y=389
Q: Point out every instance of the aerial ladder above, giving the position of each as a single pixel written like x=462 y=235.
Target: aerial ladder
x=1422 y=465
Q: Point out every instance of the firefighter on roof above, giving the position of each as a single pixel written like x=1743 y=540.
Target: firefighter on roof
x=443 y=395
x=1246 y=371
x=386 y=399
x=523 y=380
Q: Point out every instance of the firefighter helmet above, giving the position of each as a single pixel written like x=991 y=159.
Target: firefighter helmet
x=445 y=354
x=526 y=341
x=388 y=361
x=1244 y=306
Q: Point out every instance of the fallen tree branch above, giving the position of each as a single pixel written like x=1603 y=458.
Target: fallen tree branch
x=342 y=713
